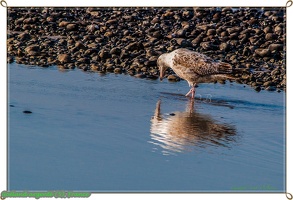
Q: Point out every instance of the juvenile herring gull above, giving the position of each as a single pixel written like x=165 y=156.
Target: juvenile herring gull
x=192 y=66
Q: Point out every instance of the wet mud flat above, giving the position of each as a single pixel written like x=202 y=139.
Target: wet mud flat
x=129 y=40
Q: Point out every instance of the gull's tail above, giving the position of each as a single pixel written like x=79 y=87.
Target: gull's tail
x=225 y=68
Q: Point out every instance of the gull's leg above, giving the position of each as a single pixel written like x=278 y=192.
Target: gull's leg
x=191 y=91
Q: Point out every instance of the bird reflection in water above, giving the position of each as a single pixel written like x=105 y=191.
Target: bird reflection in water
x=185 y=131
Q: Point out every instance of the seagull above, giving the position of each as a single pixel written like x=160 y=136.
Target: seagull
x=194 y=67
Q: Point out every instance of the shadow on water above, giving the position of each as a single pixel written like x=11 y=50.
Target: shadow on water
x=203 y=99
x=187 y=130
x=230 y=103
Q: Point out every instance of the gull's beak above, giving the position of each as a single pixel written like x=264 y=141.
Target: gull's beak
x=161 y=75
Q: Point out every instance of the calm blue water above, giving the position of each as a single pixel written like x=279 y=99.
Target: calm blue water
x=110 y=132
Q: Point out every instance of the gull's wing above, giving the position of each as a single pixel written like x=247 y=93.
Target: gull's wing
x=199 y=64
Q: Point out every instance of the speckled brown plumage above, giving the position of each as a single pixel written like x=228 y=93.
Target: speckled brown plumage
x=192 y=66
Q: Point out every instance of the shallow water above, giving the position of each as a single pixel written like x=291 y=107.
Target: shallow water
x=110 y=132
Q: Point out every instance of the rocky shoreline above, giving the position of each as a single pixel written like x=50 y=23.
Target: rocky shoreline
x=129 y=40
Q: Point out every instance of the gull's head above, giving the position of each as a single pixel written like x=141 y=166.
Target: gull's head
x=162 y=65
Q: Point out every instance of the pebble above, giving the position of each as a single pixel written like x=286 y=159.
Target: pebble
x=263 y=52
x=115 y=50
x=64 y=58
x=153 y=77
x=270 y=36
x=224 y=47
x=117 y=70
x=276 y=47
x=271 y=88
x=24 y=36
x=140 y=76
x=71 y=27
x=173 y=78
x=27 y=112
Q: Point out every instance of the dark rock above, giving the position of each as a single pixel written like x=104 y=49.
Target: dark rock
x=208 y=46
x=271 y=88
x=117 y=70
x=234 y=30
x=278 y=30
x=187 y=14
x=27 y=27
x=268 y=29
x=224 y=47
x=134 y=46
x=222 y=81
x=110 y=68
x=72 y=27
x=71 y=66
x=151 y=52
x=155 y=20
x=153 y=77
x=267 y=13
x=181 y=33
x=84 y=60
x=227 y=9
x=173 y=78
x=183 y=42
x=140 y=76
x=111 y=21
x=276 y=47
x=92 y=45
x=268 y=83
x=257 y=88
x=217 y=16
x=211 y=32
x=10 y=59
x=80 y=45
x=19 y=21
x=63 y=23
x=109 y=34
x=24 y=36
x=85 y=68
x=150 y=63
x=224 y=34
x=104 y=54
x=90 y=52
x=50 y=19
x=263 y=52
x=28 y=21
x=157 y=34
x=33 y=50
x=275 y=72
x=115 y=50
x=271 y=36
x=64 y=58
x=95 y=67
x=233 y=36
x=197 y=40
